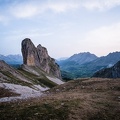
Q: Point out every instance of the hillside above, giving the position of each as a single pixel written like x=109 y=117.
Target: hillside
x=112 y=72
x=82 y=99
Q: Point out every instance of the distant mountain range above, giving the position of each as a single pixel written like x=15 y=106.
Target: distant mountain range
x=12 y=59
x=86 y=64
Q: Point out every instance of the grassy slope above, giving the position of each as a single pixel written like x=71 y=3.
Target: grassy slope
x=84 y=99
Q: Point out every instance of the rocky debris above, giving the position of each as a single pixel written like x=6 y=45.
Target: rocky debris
x=113 y=72
x=24 y=92
x=38 y=56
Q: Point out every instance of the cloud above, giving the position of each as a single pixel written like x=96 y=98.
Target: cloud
x=24 y=11
x=106 y=38
x=31 y=8
x=62 y=7
x=100 y=4
x=4 y=20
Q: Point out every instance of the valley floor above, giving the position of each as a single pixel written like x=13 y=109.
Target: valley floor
x=82 y=99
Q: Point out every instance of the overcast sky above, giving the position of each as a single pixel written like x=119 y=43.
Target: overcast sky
x=64 y=27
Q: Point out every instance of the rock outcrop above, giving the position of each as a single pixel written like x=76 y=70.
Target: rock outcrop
x=113 y=72
x=38 y=56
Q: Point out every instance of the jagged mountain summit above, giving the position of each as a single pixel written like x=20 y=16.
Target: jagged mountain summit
x=38 y=56
x=112 y=72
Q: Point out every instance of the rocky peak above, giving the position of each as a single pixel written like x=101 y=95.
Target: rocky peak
x=42 y=51
x=38 y=56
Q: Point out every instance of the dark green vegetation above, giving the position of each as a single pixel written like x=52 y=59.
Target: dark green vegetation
x=73 y=68
x=82 y=99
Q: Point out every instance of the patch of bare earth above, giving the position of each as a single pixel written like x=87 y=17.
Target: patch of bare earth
x=82 y=99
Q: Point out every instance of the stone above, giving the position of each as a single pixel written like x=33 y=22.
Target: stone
x=38 y=56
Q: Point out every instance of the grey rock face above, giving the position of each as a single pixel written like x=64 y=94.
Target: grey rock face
x=113 y=72
x=38 y=56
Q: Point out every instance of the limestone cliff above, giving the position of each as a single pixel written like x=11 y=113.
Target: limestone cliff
x=38 y=56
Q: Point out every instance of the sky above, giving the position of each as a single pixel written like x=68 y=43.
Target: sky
x=64 y=27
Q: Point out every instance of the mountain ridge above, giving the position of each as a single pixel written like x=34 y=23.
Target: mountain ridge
x=89 y=68
x=72 y=69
